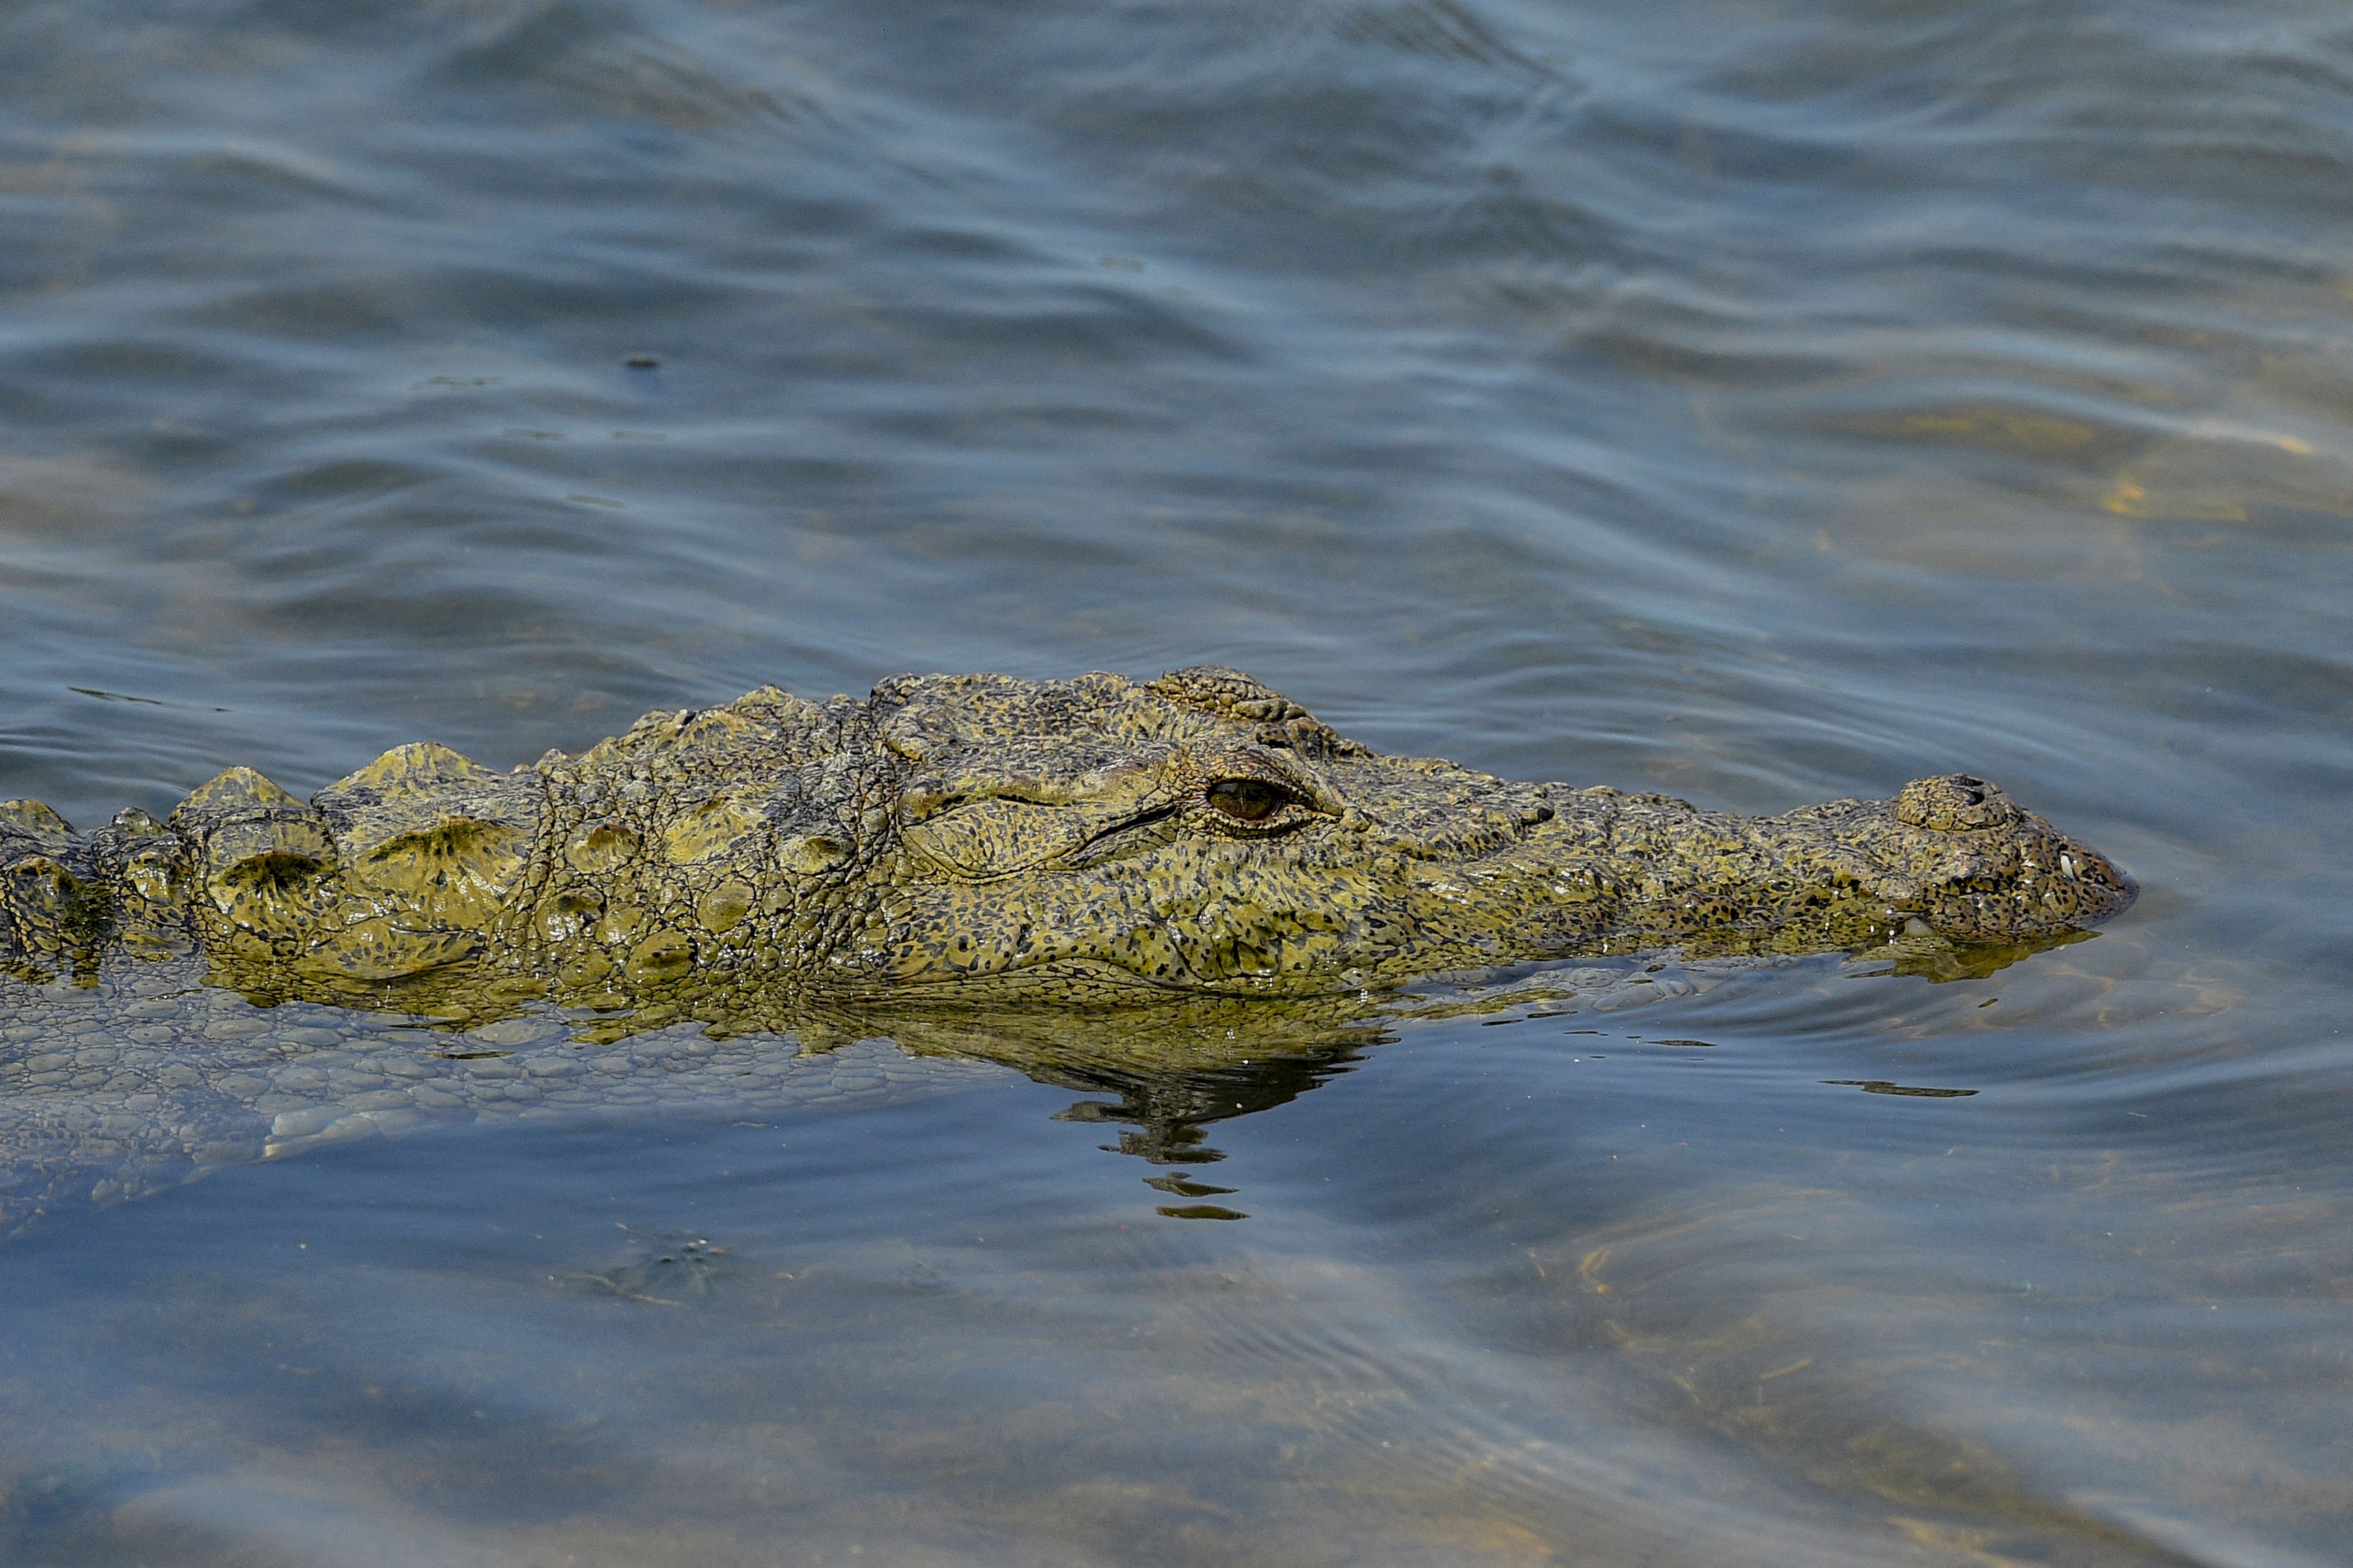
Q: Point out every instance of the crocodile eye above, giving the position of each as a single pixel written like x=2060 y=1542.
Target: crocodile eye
x=1247 y=800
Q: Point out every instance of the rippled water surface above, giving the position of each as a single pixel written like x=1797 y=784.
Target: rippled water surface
x=1761 y=402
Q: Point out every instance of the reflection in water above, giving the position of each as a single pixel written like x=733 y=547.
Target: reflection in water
x=147 y=1075
x=1882 y=1086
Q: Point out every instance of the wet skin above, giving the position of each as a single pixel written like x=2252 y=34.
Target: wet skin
x=978 y=838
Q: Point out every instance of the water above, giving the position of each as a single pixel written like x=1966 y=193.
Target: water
x=1759 y=402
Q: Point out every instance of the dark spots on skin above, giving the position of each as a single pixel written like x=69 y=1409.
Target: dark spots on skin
x=1200 y=832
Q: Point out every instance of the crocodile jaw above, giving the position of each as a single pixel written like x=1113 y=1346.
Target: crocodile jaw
x=1345 y=904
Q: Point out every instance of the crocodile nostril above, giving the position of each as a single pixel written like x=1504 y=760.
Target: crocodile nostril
x=1954 y=802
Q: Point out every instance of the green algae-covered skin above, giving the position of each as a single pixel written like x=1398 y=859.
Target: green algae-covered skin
x=978 y=838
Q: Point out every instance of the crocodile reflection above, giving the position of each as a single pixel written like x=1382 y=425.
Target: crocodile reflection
x=154 y=1073
x=1167 y=1116
x=151 y=1078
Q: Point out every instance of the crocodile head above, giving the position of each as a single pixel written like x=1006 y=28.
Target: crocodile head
x=1201 y=832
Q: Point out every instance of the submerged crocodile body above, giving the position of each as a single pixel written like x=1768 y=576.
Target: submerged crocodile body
x=982 y=837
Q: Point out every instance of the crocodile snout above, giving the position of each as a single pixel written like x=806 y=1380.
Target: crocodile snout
x=2004 y=873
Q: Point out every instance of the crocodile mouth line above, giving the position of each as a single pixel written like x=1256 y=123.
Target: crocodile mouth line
x=1093 y=849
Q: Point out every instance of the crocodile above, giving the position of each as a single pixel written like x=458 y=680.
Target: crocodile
x=1094 y=840
x=1186 y=894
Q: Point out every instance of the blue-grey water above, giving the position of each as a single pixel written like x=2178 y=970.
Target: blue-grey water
x=1763 y=401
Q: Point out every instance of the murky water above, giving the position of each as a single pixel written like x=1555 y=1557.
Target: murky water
x=1761 y=402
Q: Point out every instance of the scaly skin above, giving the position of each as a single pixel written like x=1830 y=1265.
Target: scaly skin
x=978 y=838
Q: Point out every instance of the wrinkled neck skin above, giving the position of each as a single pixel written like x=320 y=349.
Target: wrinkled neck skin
x=982 y=840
